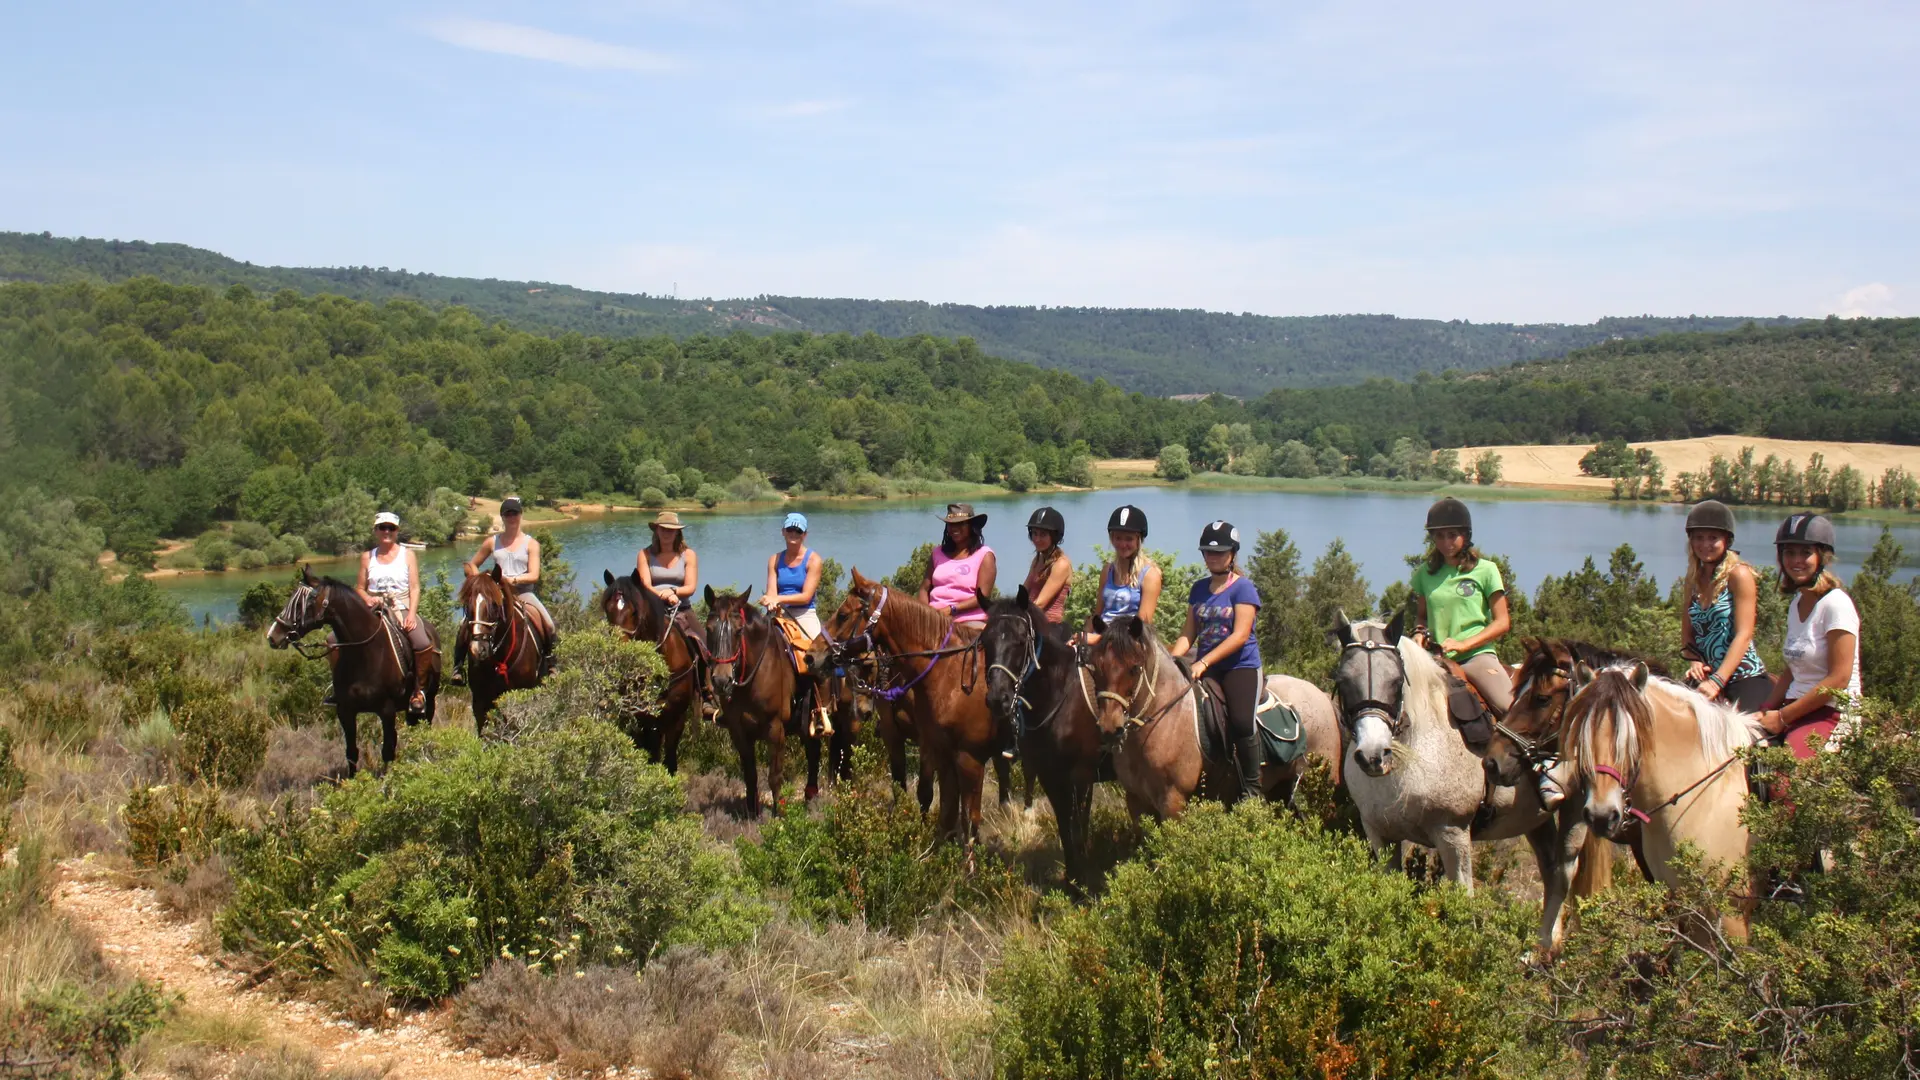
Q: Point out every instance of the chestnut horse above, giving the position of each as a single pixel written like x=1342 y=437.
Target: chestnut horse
x=1651 y=750
x=503 y=652
x=1146 y=711
x=1032 y=674
x=933 y=665
x=365 y=656
x=641 y=615
x=755 y=686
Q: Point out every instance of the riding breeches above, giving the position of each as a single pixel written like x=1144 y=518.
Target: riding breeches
x=1491 y=677
x=530 y=603
x=1240 y=689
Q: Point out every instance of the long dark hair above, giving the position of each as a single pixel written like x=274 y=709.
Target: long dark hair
x=974 y=540
x=1469 y=557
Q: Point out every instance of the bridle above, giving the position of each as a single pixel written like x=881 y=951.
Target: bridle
x=623 y=604
x=863 y=642
x=738 y=627
x=1147 y=679
x=1022 y=707
x=1535 y=751
x=305 y=622
x=1369 y=699
x=485 y=630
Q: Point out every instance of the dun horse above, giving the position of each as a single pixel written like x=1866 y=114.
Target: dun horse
x=641 y=615
x=1034 y=683
x=754 y=684
x=1653 y=751
x=1147 y=712
x=504 y=648
x=1414 y=779
x=368 y=675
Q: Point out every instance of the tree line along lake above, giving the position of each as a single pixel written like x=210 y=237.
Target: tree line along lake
x=1540 y=537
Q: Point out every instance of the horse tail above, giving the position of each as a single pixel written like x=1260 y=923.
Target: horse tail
x=1596 y=865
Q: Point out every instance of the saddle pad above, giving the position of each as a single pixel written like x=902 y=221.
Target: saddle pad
x=797 y=637
x=1282 y=736
x=397 y=640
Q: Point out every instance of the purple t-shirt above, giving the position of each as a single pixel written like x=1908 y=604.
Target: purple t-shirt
x=1214 y=615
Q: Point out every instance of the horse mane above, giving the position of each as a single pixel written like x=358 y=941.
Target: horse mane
x=1426 y=681
x=643 y=600
x=1723 y=728
x=1006 y=605
x=472 y=587
x=1610 y=694
x=1545 y=659
x=919 y=618
x=1118 y=639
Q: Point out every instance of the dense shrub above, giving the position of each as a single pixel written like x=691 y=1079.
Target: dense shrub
x=1023 y=476
x=169 y=822
x=222 y=738
x=597 y=672
x=562 y=849
x=1244 y=944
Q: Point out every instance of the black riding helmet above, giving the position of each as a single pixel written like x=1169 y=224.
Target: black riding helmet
x=1219 y=536
x=1813 y=530
x=1049 y=519
x=1711 y=514
x=1450 y=514
x=1129 y=518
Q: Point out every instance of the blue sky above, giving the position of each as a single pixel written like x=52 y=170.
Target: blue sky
x=1485 y=161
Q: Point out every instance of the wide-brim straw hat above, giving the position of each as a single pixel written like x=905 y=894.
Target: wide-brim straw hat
x=958 y=513
x=667 y=519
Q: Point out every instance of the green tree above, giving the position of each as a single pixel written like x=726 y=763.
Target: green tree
x=1173 y=463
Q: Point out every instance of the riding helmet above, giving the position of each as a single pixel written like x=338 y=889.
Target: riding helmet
x=1449 y=514
x=1711 y=514
x=1129 y=518
x=1049 y=519
x=1813 y=530
x=1219 y=536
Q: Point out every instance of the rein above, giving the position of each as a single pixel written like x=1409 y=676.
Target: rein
x=1022 y=708
x=1535 y=751
x=1645 y=817
x=740 y=648
x=867 y=644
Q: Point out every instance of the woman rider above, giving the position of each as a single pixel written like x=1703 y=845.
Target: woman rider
x=961 y=564
x=1049 y=580
x=390 y=577
x=1723 y=602
x=793 y=577
x=1221 y=609
x=518 y=557
x=670 y=569
x=1129 y=583
x=1823 y=638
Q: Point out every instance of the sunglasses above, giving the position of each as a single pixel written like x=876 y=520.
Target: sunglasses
x=793 y=531
x=386 y=528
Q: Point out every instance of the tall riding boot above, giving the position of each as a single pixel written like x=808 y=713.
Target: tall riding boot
x=459 y=674
x=417 y=693
x=1246 y=752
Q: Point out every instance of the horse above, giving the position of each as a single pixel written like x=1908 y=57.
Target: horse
x=641 y=615
x=1148 y=716
x=1034 y=683
x=503 y=652
x=1416 y=780
x=1650 y=750
x=365 y=655
x=755 y=684
x=938 y=671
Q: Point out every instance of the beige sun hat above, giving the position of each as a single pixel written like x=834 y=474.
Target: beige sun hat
x=667 y=519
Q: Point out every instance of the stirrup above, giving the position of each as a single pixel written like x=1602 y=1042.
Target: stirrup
x=458 y=676
x=1550 y=792
x=820 y=724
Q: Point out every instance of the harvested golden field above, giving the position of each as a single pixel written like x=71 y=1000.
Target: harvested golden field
x=1559 y=466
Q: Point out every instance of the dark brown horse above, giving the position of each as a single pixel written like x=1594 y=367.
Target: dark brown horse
x=641 y=615
x=1032 y=673
x=367 y=671
x=760 y=695
x=934 y=665
x=505 y=647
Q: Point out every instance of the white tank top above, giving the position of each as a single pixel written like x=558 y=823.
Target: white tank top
x=388 y=579
x=512 y=561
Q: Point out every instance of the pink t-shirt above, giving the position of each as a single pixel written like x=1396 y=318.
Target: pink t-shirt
x=955 y=580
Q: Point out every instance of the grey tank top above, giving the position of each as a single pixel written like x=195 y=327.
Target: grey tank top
x=513 y=561
x=675 y=575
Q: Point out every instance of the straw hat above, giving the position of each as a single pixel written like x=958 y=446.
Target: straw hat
x=667 y=519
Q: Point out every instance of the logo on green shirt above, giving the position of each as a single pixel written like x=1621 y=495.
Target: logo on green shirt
x=1466 y=587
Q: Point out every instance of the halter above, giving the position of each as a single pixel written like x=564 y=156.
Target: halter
x=1354 y=706
x=1628 y=781
x=483 y=630
x=1130 y=718
x=305 y=623
x=1022 y=708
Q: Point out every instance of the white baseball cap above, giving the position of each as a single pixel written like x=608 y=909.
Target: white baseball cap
x=386 y=517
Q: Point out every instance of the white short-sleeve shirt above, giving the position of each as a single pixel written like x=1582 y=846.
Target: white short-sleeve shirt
x=1806 y=647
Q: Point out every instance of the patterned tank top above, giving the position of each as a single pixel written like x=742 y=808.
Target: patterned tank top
x=1056 y=611
x=1713 y=633
x=1117 y=600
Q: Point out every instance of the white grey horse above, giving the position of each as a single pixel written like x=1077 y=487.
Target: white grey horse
x=1413 y=778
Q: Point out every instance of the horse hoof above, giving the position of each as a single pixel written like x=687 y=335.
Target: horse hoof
x=813 y=792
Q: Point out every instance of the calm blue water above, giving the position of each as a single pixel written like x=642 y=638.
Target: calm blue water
x=1540 y=538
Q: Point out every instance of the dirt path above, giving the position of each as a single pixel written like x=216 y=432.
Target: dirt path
x=136 y=933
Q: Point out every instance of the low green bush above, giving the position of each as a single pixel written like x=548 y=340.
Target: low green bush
x=562 y=849
x=171 y=822
x=597 y=672
x=69 y=1030
x=222 y=738
x=262 y=603
x=1250 y=944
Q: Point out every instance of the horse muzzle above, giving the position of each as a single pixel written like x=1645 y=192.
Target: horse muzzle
x=1375 y=764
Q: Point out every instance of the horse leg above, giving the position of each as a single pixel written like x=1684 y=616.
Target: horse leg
x=1003 y=772
x=649 y=737
x=776 y=761
x=743 y=746
x=1555 y=861
x=389 y=739
x=924 y=788
x=1456 y=855
x=972 y=773
x=350 y=733
x=947 y=825
x=812 y=746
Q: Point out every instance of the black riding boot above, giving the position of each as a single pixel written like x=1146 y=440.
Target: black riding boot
x=1246 y=752
x=458 y=677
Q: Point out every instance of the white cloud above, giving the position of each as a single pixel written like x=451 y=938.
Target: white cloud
x=1870 y=301
x=814 y=107
x=532 y=43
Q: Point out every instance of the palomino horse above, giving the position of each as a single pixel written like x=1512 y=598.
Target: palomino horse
x=641 y=615
x=1034 y=683
x=1653 y=751
x=367 y=671
x=1415 y=779
x=933 y=665
x=503 y=652
x=1146 y=711
x=754 y=684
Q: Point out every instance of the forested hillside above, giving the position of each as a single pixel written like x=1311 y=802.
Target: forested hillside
x=1155 y=351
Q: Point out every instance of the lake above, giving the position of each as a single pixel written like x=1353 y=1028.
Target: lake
x=1540 y=538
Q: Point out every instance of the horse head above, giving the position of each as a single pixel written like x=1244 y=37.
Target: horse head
x=1607 y=729
x=624 y=604
x=1010 y=647
x=1370 y=681
x=728 y=617
x=483 y=598
x=1125 y=664
x=850 y=627
x=305 y=609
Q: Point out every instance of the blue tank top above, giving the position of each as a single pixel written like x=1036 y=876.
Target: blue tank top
x=1118 y=600
x=792 y=580
x=1713 y=633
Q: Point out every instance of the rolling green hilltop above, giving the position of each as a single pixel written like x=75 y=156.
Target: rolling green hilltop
x=1154 y=351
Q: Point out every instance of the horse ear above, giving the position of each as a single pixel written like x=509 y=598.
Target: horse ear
x=306 y=574
x=496 y=575
x=1096 y=624
x=1020 y=597
x=709 y=596
x=1140 y=631
x=1581 y=672
x=1640 y=675
x=861 y=583
x=1396 y=626
x=1342 y=629
x=607 y=576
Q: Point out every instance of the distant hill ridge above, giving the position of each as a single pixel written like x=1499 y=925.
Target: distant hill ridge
x=1159 y=351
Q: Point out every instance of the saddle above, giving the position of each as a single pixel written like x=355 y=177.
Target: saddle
x=1283 y=737
x=798 y=638
x=1470 y=713
x=397 y=640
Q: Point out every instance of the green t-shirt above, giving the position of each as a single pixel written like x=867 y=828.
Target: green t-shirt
x=1459 y=605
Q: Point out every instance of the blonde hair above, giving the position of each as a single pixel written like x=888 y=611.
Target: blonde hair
x=1697 y=585
x=1128 y=572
